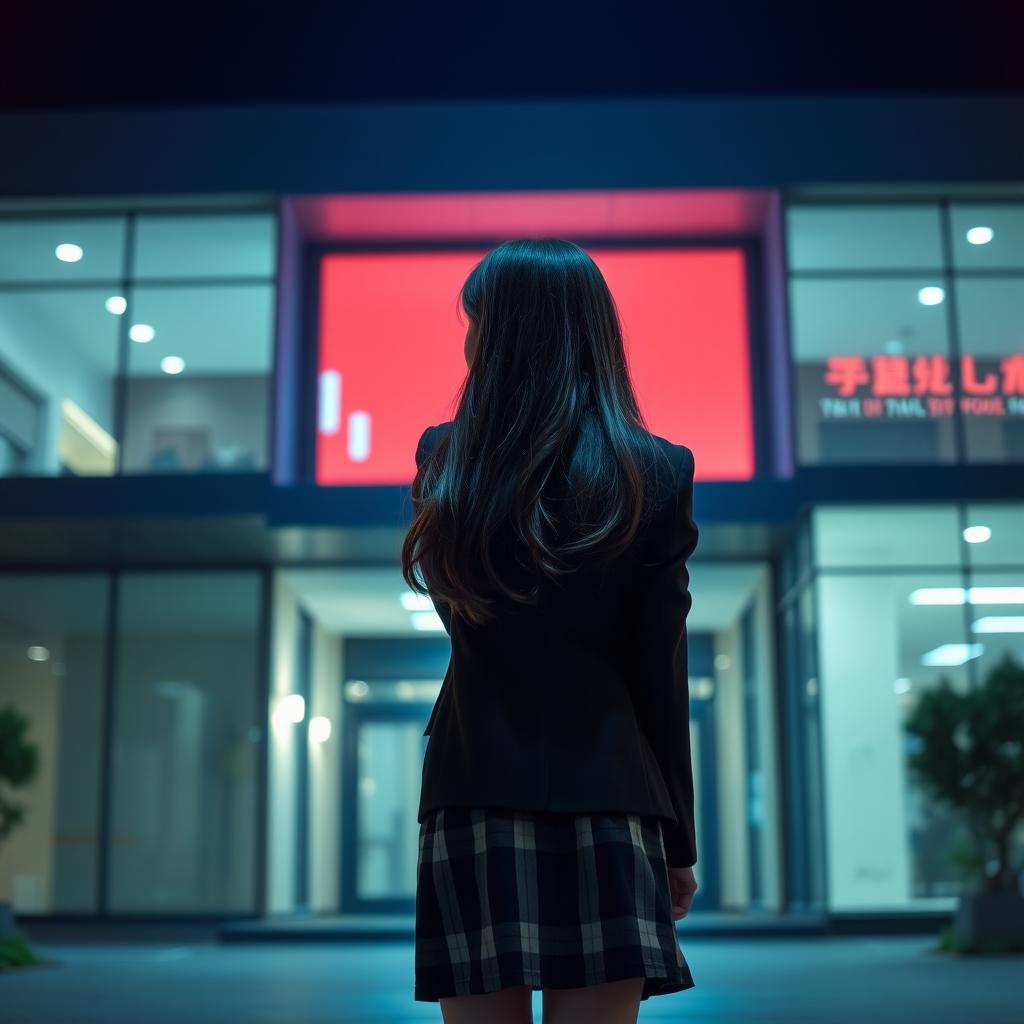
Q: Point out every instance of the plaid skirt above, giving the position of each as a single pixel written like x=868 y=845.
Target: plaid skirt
x=548 y=900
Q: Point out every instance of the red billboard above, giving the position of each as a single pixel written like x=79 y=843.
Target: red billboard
x=391 y=354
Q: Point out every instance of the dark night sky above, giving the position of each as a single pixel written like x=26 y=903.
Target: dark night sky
x=73 y=53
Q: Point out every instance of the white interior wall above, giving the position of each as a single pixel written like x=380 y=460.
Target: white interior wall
x=866 y=820
x=325 y=774
x=734 y=842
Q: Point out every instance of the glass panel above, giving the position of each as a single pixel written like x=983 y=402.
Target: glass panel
x=186 y=743
x=996 y=613
x=58 y=354
x=871 y=371
x=887 y=535
x=29 y=246
x=996 y=534
x=809 y=717
x=390 y=757
x=52 y=659
x=198 y=391
x=992 y=342
x=231 y=245
x=861 y=237
x=1002 y=245
x=882 y=645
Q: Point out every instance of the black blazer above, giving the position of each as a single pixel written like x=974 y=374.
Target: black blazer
x=581 y=703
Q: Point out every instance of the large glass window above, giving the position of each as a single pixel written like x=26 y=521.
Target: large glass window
x=186 y=742
x=52 y=663
x=907 y=345
x=899 y=614
x=136 y=342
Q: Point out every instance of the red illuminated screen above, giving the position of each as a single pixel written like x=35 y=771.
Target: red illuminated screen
x=391 y=354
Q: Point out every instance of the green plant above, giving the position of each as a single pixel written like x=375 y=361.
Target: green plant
x=19 y=762
x=16 y=952
x=970 y=754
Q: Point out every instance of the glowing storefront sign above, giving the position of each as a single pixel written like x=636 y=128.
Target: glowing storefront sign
x=921 y=386
x=391 y=353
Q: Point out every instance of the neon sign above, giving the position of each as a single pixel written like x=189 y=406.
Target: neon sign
x=900 y=386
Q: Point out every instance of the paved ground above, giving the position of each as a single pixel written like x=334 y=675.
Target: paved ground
x=862 y=980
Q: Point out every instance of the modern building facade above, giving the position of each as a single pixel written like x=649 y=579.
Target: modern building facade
x=205 y=452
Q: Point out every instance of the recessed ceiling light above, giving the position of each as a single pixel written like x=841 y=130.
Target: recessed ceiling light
x=980 y=235
x=973 y=595
x=37 y=653
x=413 y=602
x=68 y=252
x=932 y=295
x=141 y=333
x=996 y=595
x=172 y=364
x=999 y=624
x=938 y=595
x=952 y=654
x=977 y=534
x=116 y=304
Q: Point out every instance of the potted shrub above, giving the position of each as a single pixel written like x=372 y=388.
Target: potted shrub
x=19 y=762
x=970 y=754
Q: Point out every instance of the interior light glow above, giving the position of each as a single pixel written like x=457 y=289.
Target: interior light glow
x=319 y=729
x=37 y=653
x=68 y=252
x=952 y=654
x=902 y=685
x=977 y=534
x=973 y=595
x=357 y=689
x=87 y=426
x=980 y=235
x=172 y=364
x=931 y=295
x=996 y=595
x=999 y=624
x=413 y=602
x=141 y=333
x=427 y=621
x=293 y=708
x=116 y=304
x=937 y=595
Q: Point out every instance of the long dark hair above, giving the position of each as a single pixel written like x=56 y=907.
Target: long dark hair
x=548 y=452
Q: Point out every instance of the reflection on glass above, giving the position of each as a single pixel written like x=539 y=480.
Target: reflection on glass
x=198 y=392
x=58 y=361
x=888 y=844
x=992 y=341
x=29 y=245
x=389 y=759
x=207 y=245
x=860 y=237
x=872 y=371
x=185 y=743
x=1001 y=246
x=52 y=641
x=1005 y=541
x=996 y=614
x=886 y=535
